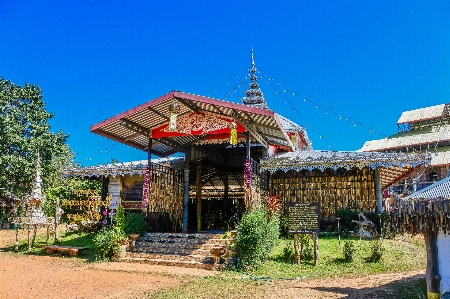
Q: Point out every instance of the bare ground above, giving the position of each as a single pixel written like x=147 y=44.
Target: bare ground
x=37 y=276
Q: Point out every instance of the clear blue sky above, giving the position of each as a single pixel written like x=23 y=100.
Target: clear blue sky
x=367 y=60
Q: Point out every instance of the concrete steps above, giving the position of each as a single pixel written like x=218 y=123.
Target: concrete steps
x=190 y=250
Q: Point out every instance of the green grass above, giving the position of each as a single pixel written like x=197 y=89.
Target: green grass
x=402 y=254
x=332 y=263
x=80 y=239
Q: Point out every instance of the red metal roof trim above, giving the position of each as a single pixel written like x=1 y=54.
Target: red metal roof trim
x=182 y=95
x=132 y=110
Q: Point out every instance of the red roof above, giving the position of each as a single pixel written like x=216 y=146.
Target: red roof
x=209 y=116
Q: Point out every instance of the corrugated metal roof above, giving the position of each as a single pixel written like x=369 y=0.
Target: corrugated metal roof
x=421 y=114
x=393 y=166
x=114 y=169
x=437 y=190
x=438 y=134
x=134 y=126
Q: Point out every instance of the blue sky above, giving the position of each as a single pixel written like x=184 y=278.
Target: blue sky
x=344 y=69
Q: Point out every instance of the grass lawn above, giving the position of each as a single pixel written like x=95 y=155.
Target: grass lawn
x=80 y=239
x=401 y=254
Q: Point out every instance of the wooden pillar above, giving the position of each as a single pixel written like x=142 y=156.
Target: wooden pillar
x=226 y=201
x=378 y=194
x=432 y=273
x=57 y=215
x=199 y=197
x=29 y=245
x=248 y=144
x=187 y=158
x=16 y=246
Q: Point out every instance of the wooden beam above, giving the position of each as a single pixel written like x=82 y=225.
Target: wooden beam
x=252 y=131
x=189 y=105
x=134 y=127
x=171 y=143
x=158 y=113
x=134 y=135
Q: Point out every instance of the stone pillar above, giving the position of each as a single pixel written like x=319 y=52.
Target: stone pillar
x=378 y=194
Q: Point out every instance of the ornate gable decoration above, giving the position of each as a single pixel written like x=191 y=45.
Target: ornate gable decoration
x=201 y=123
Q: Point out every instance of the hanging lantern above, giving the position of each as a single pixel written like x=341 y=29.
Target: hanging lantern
x=174 y=109
x=233 y=133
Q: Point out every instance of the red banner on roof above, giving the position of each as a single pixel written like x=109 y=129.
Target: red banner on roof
x=202 y=123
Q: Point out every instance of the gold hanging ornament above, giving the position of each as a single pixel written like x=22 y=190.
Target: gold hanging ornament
x=174 y=109
x=233 y=133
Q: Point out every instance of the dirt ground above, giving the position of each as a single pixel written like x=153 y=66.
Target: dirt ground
x=35 y=276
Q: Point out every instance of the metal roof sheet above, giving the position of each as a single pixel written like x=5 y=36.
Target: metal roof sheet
x=438 y=134
x=393 y=166
x=134 y=126
x=421 y=114
x=437 y=190
x=115 y=169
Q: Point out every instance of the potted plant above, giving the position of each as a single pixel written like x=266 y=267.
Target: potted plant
x=111 y=242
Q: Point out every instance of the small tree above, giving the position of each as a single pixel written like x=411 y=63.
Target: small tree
x=256 y=236
x=25 y=131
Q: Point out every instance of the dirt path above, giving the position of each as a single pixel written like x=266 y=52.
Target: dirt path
x=36 y=276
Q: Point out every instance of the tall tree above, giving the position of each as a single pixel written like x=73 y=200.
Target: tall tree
x=25 y=131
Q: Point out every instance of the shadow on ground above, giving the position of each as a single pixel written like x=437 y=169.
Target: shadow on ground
x=407 y=288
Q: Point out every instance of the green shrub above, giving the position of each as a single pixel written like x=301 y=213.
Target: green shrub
x=120 y=218
x=108 y=241
x=346 y=216
x=256 y=236
x=135 y=223
x=376 y=250
x=349 y=249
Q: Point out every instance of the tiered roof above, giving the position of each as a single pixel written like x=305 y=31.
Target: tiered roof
x=421 y=129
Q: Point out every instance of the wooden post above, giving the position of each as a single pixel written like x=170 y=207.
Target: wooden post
x=199 y=197
x=316 y=249
x=56 y=218
x=34 y=234
x=297 y=253
x=16 y=246
x=432 y=273
x=29 y=245
x=378 y=195
x=187 y=157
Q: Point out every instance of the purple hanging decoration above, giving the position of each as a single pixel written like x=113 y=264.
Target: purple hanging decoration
x=145 y=188
x=248 y=180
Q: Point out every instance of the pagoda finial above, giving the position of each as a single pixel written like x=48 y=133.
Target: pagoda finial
x=254 y=96
x=253 y=59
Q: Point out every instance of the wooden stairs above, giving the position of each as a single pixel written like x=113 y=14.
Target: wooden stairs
x=191 y=250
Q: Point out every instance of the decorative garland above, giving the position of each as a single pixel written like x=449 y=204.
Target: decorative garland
x=248 y=181
x=174 y=110
x=233 y=133
x=145 y=188
x=421 y=215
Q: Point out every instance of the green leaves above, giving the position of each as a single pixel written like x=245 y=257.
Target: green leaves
x=108 y=241
x=256 y=236
x=25 y=131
